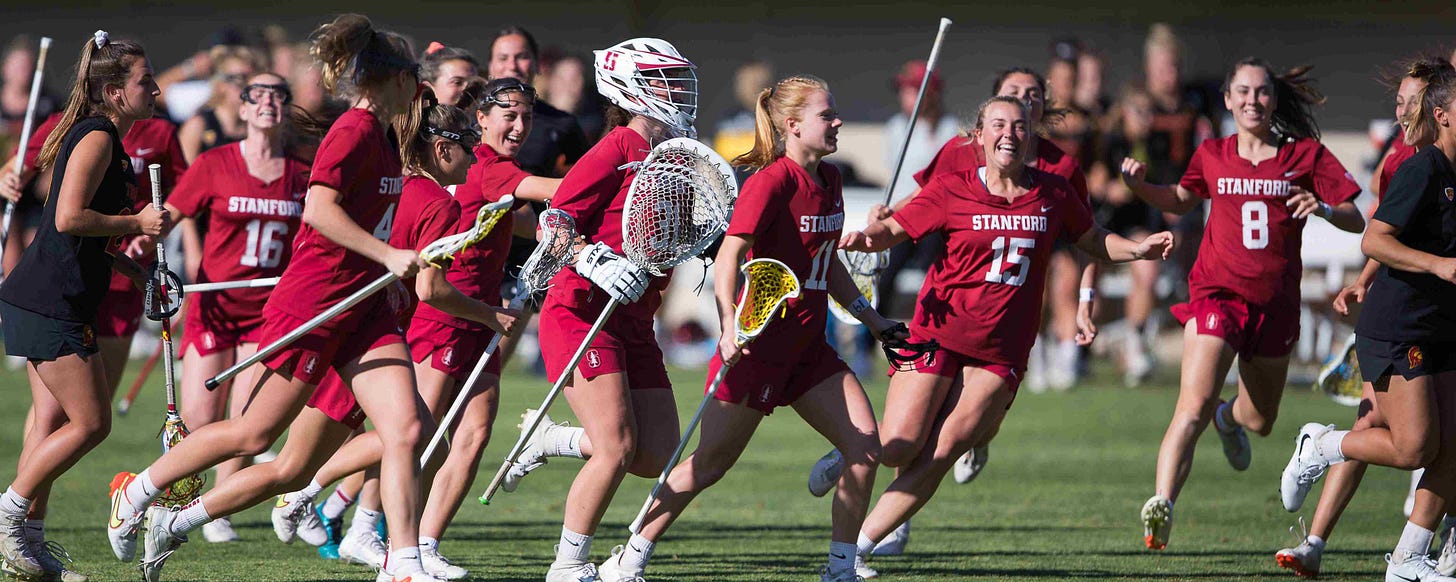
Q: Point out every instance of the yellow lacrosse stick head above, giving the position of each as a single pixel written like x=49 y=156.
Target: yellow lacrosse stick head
x=767 y=288
x=187 y=488
x=439 y=253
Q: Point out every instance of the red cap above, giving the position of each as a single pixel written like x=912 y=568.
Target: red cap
x=434 y=46
x=913 y=72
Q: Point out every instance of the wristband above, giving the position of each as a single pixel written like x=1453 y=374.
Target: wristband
x=1325 y=210
x=1088 y=294
x=858 y=306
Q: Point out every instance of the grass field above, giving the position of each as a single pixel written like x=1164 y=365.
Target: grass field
x=1058 y=501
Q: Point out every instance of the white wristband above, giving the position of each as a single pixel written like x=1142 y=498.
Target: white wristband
x=1088 y=294
x=1325 y=210
x=858 y=306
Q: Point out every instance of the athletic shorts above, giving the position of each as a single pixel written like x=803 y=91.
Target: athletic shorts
x=120 y=314
x=337 y=402
x=948 y=364
x=332 y=344
x=1380 y=358
x=1251 y=330
x=451 y=350
x=210 y=335
x=764 y=386
x=624 y=345
x=41 y=338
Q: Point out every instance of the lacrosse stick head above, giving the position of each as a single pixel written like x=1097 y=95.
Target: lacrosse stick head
x=442 y=251
x=679 y=203
x=768 y=286
x=163 y=294
x=864 y=281
x=866 y=264
x=553 y=251
x=904 y=354
x=188 y=488
x=1340 y=377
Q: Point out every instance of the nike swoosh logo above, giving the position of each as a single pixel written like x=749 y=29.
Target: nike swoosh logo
x=116 y=518
x=145 y=151
x=1291 y=174
x=573 y=543
x=837 y=556
x=1045 y=208
x=281 y=502
x=1302 y=440
x=1407 y=579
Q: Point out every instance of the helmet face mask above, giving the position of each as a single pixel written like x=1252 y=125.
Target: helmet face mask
x=648 y=77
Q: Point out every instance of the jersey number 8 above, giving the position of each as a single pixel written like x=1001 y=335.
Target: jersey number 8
x=1256 y=224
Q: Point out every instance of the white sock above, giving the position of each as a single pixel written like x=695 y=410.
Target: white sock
x=429 y=544
x=865 y=545
x=405 y=560
x=1316 y=541
x=573 y=547
x=365 y=520
x=564 y=441
x=337 y=504
x=141 y=491
x=190 y=517
x=1218 y=412
x=1328 y=446
x=35 y=530
x=13 y=505
x=313 y=490
x=1414 y=541
x=841 y=556
x=637 y=552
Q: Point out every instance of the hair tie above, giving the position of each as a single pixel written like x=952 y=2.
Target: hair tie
x=434 y=47
x=101 y=37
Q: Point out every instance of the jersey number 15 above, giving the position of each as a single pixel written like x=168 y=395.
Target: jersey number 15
x=1009 y=255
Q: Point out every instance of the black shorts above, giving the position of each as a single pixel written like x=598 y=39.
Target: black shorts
x=1380 y=358
x=41 y=338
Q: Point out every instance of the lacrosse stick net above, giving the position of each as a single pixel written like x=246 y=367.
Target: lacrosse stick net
x=679 y=203
x=862 y=269
x=1340 y=377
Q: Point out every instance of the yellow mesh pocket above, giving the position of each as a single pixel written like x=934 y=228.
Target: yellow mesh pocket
x=769 y=286
x=188 y=488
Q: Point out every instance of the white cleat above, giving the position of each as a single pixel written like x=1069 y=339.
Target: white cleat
x=124 y=523
x=219 y=531
x=1139 y=363
x=1305 y=467
x=893 y=544
x=1413 y=568
x=159 y=543
x=584 y=572
x=1303 y=558
x=863 y=570
x=294 y=517
x=1446 y=559
x=534 y=455
x=969 y=466
x=825 y=474
x=1157 y=516
x=613 y=570
x=1235 y=445
x=845 y=575
x=416 y=576
x=17 y=557
x=54 y=559
x=363 y=546
x=439 y=567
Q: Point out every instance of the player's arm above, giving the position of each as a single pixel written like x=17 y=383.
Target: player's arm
x=1108 y=247
x=845 y=292
x=84 y=172
x=323 y=213
x=130 y=269
x=1172 y=198
x=12 y=185
x=434 y=289
x=1380 y=243
x=190 y=136
x=1344 y=216
x=725 y=290
x=876 y=237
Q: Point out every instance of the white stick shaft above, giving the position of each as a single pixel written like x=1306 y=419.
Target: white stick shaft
x=225 y=285
x=682 y=443
x=170 y=382
x=332 y=312
x=556 y=388
x=915 y=113
x=25 y=129
x=464 y=395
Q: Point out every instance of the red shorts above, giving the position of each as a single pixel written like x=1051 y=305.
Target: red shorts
x=1251 y=330
x=336 y=401
x=624 y=344
x=210 y=335
x=120 y=314
x=948 y=364
x=764 y=386
x=332 y=344
x=455 y=351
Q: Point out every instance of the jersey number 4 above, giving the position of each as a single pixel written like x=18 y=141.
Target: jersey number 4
x=265 y=243
x=1256 y=224
x=1009 y=255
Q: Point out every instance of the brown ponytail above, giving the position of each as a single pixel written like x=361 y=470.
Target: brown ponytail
x=1439 y=91
x=356 y=57
x=771 y=112
x=1294 y=99
x=416 y=142
x=95 y=69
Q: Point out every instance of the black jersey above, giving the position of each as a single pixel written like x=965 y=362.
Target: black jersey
x=63 y=275
x=554 y=134
x=213 y=134
x=1406 y=306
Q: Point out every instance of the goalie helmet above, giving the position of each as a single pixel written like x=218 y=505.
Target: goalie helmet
x=648 y=77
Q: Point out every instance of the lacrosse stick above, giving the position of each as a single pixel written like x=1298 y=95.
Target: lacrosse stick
x=558 y=232
x=915 y=111
x=679 y=202
x=436 y=254
x=225 y=285
x=25 y=129
x=862 y=269
x=767 y=289
x=136 y=386
x=163 y=299
x=1340 y=376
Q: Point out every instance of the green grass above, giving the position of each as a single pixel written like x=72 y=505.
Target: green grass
x=1059 y=500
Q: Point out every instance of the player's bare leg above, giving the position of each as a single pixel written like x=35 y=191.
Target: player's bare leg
x=1063 y=278
x=911 y=406
x=468 y=439
x=312 y=439
x=1138 y=308
x=114 y=351
x=838 y=408
x=725 y=431
x=1206 y=361
x=1261 y=386
x=200 y=407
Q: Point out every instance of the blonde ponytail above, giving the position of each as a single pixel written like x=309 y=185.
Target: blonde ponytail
x=771 y=113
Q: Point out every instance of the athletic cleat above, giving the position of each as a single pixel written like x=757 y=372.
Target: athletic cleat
x=1235 y=445
x=159 y=542
x=416 y=576
x=335 y=529
x=219 y=531
x=1304 y=557
x=825 y=474
x=533 y=456
x=584 y=572
x=294 y=516
x=893 y=544
x=845 y=575
x=1157 y=518
x=863 y=570
x=363 y=547
x=1305 y=467
x=1414 y=568
x=54 y=559
x=124 y=523
x=1446 y=558
x=437 y=566
x=613 y=570
x=16 y=554
x=1139 y=363
x=969 y=466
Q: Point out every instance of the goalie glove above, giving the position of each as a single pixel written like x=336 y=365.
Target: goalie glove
x=619 y=277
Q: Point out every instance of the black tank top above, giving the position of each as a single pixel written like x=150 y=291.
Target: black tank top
x=212 y=131
x=63 y=275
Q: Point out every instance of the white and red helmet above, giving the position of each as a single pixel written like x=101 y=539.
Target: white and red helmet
x=648 y=77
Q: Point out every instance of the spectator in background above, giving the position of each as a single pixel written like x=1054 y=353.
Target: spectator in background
x=16 y=71
x=447 y=70
x=733 y=134
x=1088 y=94
x=279 y=50
x=1071 y=127
x=218 y=122
x=1130 y=134
x=185 y=86
x=564 y=86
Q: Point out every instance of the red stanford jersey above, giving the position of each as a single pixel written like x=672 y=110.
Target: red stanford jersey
x=983 y=296
x=359 y=160
x=1251 y=243
x=1399 y=153
x=792 y=219
x=478 y=271
x=593 y=194
x=426 y=214
x=250 y=228
x=962 y=154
